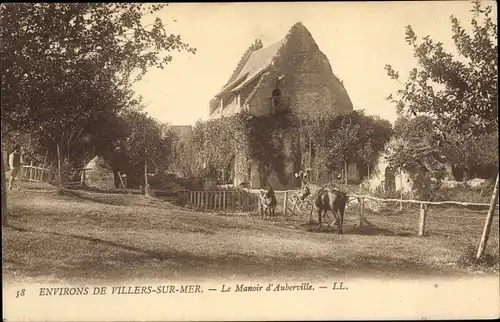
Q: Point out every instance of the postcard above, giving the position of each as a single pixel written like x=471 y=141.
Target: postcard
x=250 y=161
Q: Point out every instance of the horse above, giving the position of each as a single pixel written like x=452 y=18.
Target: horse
x=268 y=202
x=326 y=199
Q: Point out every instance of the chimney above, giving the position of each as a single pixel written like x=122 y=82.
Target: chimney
x=258 y=44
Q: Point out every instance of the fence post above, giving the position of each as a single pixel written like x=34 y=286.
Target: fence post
x=488 y=222
x=83 y=174
x=361 y=202
x=146 y=185
x=232 y=196
x=422 y=219
x=401 y=189
x=245 y=202
x=285 y=203
x=31 y=171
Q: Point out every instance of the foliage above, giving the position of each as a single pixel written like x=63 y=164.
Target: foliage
x=333 y=139
x=477 y=157
x=338 y=138
x=418 y=151
x=460 y=93
x=258 y=138
x=375 y=133
x=187 y=160
x=415 y=143
x=69 y=68
x=415 y=150
x=147 y=140
x=463 y=192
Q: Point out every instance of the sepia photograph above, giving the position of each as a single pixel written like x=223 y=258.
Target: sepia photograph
x=162 y=160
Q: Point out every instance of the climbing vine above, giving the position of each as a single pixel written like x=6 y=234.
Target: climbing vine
x=334 y=139
x=260 y=139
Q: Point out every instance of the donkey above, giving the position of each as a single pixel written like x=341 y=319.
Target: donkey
x=268 y=202
x=326 y=199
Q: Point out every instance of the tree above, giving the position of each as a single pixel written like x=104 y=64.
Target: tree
x=416 y=150
x=375 y=133
x=187 y=159
x=65 y=66
x=467 y=97
x=337 y=139
x=148 y=142
x=343 y=144
x=466 y=100
x=4 y=195
x=473 y=156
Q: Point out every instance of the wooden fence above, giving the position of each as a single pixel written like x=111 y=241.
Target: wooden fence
x=223 y=200
x=40 y=174
x=424 y=209
x=36 y=174
x=289 y=204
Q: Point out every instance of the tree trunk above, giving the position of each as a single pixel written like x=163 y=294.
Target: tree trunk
x=146 y=186
x=59 y=166
x=45 y=159
x=4 y=196
x=310 y=154
x=401 y=189
x=368 y=170
x=488 y=222
x=345 y=172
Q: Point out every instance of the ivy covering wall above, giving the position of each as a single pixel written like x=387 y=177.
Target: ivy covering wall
x=260 y=140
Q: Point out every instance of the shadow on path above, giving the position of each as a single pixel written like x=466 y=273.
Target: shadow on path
x=134 y=261
x=82 y=196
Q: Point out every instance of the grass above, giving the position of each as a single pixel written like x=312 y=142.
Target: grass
x=91 y=236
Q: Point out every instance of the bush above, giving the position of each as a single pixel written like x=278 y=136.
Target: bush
x=463 y=193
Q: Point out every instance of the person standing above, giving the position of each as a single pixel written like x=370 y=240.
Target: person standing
x=119 y=165
x=14 y=164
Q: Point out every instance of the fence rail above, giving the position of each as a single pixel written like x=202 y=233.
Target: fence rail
x=36 y=174
x=289 y=204
x=458 y=203
x=223 y=200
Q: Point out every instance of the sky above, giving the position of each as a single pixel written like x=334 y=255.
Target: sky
x=359 y=39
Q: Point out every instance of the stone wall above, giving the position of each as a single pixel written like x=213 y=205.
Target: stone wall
x=376 y=180
x=309 y=80
x=310 y=85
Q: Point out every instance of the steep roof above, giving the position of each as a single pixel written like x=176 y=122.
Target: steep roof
x=253 y=68
x=256 y=63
